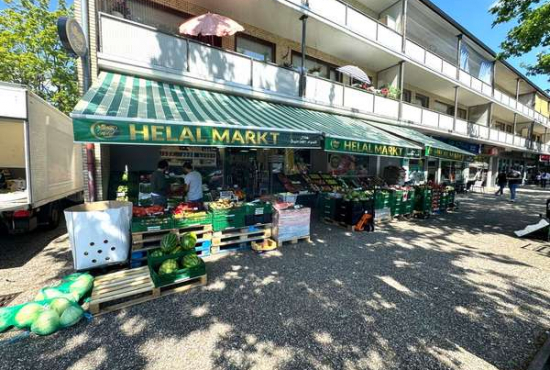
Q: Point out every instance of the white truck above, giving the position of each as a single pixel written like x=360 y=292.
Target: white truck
x=40 y=165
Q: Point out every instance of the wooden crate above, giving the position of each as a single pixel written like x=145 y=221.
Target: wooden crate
x=143 y=241
x=241 y=235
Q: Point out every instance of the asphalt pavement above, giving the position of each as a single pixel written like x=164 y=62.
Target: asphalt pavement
x=456 y=291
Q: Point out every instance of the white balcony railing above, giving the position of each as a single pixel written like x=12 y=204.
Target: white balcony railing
x=137 y=46
x=342 y=14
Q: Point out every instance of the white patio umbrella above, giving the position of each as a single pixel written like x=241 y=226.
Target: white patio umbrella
x=355 y=72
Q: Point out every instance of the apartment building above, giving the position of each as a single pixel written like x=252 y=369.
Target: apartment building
x=427 y=72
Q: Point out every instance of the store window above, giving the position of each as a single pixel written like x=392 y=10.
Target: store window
x=421 y=100
x=314 y=65
x=255 y=48
x=407 y=95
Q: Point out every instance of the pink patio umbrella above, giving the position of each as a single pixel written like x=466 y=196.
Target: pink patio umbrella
x=210 y=24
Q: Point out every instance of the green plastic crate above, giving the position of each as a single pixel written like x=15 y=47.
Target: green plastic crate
x=154 y=223
x=178 y=276
x=254 y=209
x=222 y=222
x=193 y=221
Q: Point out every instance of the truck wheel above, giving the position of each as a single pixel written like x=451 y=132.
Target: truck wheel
x=54 y=216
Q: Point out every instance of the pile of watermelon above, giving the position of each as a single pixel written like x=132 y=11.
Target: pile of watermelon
x=170 y=244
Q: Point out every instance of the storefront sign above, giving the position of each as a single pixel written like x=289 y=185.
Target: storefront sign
x=178 y=134
x=447 y=154
x=469 y=147
x=359 y=147
x=544 y=158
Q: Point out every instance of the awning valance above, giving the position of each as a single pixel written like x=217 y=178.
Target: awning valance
x=132 y=110
x=432 y=147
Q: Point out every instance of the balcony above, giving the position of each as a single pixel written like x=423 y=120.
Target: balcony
x=129 y=47
x=343 y=15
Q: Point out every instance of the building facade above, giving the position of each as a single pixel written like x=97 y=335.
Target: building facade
x=427 y=71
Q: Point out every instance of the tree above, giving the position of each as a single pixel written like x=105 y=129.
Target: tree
x=532 y=30
x=32 y=54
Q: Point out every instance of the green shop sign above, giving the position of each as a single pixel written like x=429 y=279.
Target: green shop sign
x=180 y=134
x=360 y=147
x=447 y=154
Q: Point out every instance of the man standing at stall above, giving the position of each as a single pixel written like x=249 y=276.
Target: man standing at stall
x=159 y=184
x=193 y=184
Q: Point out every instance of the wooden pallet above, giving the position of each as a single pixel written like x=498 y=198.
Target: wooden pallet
x=241 y=235
x=122 y=289
x=231 y=248
x=146 y=240
x=280 y=243
x=126 y=288
x=329 y=221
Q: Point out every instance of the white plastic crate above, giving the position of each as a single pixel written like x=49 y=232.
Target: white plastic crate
x=99 y=233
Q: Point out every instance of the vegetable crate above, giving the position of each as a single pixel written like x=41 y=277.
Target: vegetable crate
x=193 y=221
x=153 y=223
x=181 y=275
x=256 y=208
x=383 y=199
x=352 y=211
x=233 y=218
x=143 y=241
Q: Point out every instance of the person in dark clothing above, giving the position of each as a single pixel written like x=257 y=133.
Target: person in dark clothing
x=514 y=180
x=159 y=185
x=501 y=182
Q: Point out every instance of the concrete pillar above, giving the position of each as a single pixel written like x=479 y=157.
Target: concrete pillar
x=378 y=169
x=438 y=172
x=405 y=165
x=425 y=168
x=490 y=173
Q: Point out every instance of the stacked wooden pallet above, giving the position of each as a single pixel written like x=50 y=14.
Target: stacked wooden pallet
x=236 y=239
x=126 y=288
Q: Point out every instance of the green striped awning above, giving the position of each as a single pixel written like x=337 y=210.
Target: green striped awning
x=432 y=147
x=127 y=109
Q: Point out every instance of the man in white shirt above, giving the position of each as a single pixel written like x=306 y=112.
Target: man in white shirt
x=193 y=184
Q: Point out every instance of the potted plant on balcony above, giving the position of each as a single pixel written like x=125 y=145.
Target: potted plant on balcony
x=390 y=92
x=315 y=71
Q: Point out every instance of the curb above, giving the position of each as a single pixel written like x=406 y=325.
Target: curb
x=542 y=358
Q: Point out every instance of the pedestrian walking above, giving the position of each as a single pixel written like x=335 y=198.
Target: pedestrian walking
x=514 y=180
x=544 y=179
x=501 y=182
x=538 y=179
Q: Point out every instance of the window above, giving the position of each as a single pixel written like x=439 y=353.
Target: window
x=324 y=69
x=462 y=113
x=421 y=100
x=407 y=95
x=509 y=128
x=443 y=108
x=255 y=48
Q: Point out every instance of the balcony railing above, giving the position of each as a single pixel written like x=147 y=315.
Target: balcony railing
x=136 y=46
x=342 y=14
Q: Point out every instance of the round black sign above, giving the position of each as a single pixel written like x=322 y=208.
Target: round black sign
x=71 y=35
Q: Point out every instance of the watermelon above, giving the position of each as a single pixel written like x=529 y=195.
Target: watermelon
x=178 y=249
x=169 y=242
x=71 y=316
x=46 y=323
x=59 y=305
x=27 y=314
x=188 y=241
x=168 y=267
x=157 y=253
x=190 y=260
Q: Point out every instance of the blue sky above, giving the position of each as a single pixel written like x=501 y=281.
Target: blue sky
x=474 y=15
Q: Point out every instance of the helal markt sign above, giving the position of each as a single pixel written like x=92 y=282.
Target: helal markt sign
x=364 y=148
x=447 y=154
x=181 y=134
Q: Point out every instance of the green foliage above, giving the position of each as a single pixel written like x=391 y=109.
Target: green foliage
x=32 y=54
x=532 y=30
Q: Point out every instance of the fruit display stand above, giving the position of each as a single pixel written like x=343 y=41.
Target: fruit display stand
x=423 y=202
x=291 y=224
x=329 y=205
